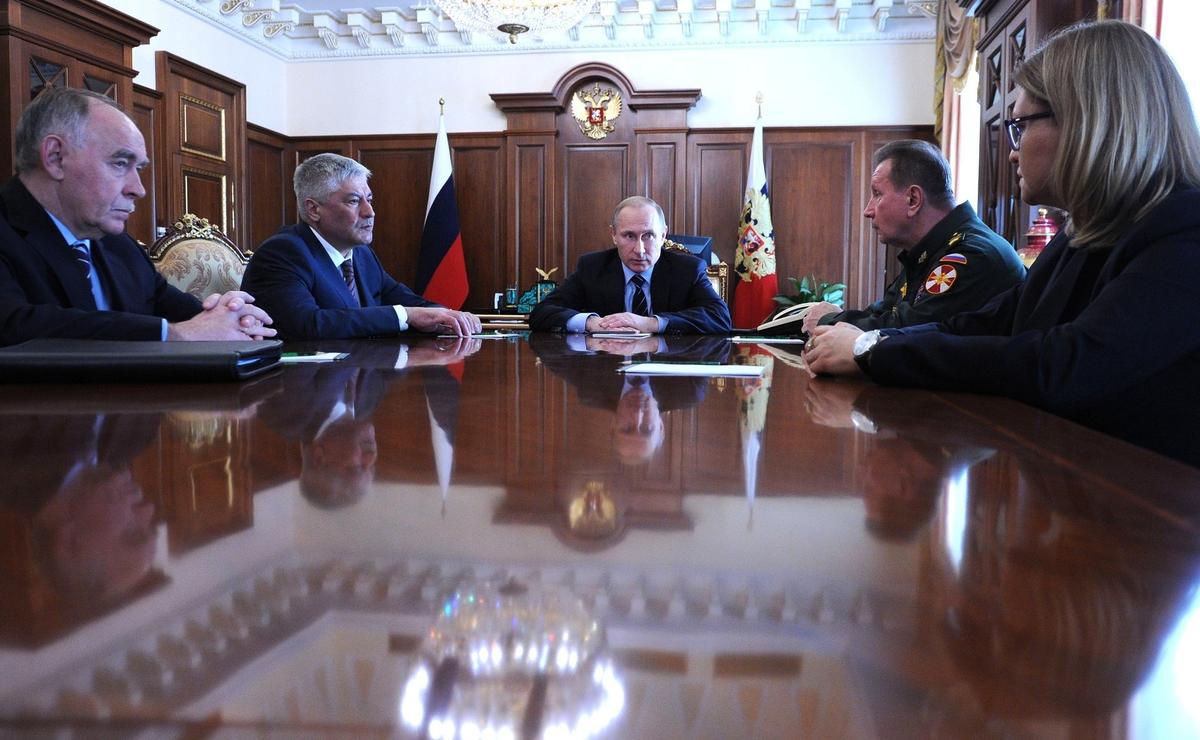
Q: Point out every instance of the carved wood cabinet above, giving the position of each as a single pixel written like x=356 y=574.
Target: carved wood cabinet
x=76 y=43
x=1011 y=31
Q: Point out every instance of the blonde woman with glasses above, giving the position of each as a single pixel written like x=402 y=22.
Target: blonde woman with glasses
x=1103 y=331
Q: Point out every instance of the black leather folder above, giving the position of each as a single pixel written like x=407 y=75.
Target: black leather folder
x=90 y=360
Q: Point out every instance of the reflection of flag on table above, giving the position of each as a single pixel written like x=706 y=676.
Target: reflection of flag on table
x=441 y=267
x=441 y=399
x=754 y=259
x=752 y=396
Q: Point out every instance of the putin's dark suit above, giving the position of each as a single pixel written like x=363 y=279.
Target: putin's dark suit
x=680 y=292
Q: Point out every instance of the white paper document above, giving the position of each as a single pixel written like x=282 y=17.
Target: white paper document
x=289 y=358
x=768 y=340
x=692 y=369
x=619 y=334
x=485 y=335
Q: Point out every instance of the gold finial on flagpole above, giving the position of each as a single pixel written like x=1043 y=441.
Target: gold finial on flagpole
x=441 y=106
x=758 y=99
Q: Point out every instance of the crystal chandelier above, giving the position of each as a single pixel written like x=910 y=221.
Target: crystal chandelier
x=513 y=17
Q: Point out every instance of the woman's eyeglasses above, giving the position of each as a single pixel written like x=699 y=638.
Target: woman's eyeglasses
x=1016 y=127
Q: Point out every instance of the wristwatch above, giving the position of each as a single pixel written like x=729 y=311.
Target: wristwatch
x=862 y=349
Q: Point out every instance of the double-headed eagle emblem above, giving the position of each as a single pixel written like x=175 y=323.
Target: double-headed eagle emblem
x=595 y=110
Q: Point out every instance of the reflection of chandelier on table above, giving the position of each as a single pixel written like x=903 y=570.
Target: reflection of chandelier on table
x=513 y=17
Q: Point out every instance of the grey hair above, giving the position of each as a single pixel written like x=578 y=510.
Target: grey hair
x=638 y=201
x=916 y=162
x=322 y=174
x=59 y=110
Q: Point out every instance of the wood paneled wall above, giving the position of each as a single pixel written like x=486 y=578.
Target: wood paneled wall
x=818 y=180
x=203 y=136
x=540 y=194
x=146 y=112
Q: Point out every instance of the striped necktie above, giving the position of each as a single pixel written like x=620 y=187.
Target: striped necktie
x=84 y=258
x=348 y=276
x=638 y=302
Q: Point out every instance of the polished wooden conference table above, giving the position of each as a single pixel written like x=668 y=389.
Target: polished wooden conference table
x=509 y=538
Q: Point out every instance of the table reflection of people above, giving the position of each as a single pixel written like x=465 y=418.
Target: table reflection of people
x=335 y=424
x=593 y=505
x=71 y=497
x=1061 y=600
x=911 y=457
x=638 y=402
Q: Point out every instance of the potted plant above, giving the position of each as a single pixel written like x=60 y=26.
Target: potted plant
x=811 y=290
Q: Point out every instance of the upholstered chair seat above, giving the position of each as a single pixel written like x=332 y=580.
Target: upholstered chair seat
x=197 y=258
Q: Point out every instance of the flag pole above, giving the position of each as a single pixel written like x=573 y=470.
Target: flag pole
x=754 y=255
x=441 y=262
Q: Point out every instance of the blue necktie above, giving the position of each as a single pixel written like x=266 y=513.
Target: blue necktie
x=638 y=303
x=84 y=258
x=348 y=275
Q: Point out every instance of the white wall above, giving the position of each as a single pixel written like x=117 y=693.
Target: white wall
x=1180 y=18
x=200 y=42
x=802 y=84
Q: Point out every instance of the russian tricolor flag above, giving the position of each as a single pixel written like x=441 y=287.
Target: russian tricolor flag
x=441 y=268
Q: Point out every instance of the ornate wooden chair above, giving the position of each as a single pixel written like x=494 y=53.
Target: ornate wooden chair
x=197 y=258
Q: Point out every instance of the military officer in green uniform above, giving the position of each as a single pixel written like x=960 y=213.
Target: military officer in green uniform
x=950 y=261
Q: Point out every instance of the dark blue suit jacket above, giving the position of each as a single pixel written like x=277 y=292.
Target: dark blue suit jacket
x=680 y=292
x=1106 y=338
x=292 y=278
x=43 y=293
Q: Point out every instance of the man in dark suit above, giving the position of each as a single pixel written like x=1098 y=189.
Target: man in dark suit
x=67 y=267
x=321 y=279
x=638 y=402
x=635 y=286
x=335 y=425
x=69 y=485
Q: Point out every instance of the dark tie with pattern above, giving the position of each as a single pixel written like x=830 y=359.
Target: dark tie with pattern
x=84 y=258
x=348 y=275
x=638 y=302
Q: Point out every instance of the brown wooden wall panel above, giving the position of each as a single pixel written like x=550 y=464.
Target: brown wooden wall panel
x=204 y=131
x=400 y=184
x=204 y=192
x=146 y=113
x=812 y=187
x=479 y=189
x=594 y=182
x=662 y=174
x=203 y=128
x=270 y=180
x=530 y=209
x=716 y=185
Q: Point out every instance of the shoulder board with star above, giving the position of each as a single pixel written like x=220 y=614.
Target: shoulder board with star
x=955 y=238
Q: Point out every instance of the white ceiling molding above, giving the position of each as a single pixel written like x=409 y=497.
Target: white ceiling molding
x=320 y=29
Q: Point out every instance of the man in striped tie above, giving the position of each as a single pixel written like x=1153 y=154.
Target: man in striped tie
x=321 y=279
x=635 y=286
x=67 y=267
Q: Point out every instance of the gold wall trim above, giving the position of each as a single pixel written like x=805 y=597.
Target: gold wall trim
x=183 y=134
x=185 y=170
